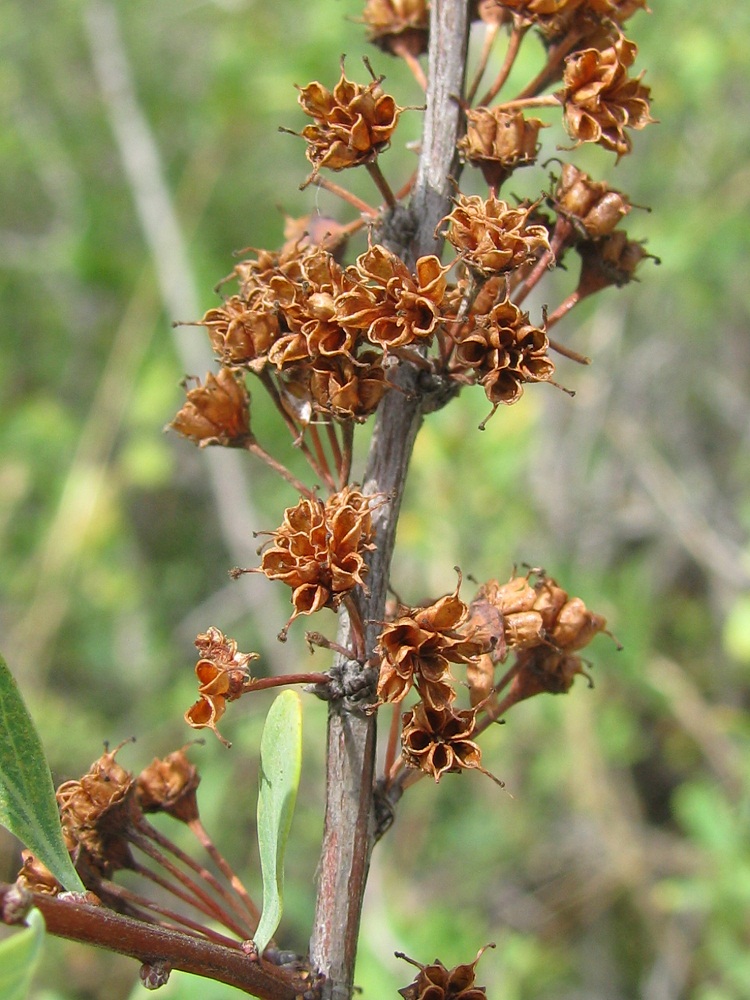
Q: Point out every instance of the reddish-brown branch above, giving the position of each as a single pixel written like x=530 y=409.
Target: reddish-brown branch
x=145 y=942
x=255 y=449
x=381 y=183
x=514 y=44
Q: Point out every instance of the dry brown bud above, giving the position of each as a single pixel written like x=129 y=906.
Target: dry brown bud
x=419 y=645
x=593 y=207
x=223 y=674
x=348 y=388
x=498 y=141
x=319 y=550
x=303 y=293
x=505 y=351
x=169 y=786
x=611 y=260
x=436 y=982
x=589 y=20
x=36 y=877
x=543 y=669
x=438 y=740
x=96 y=811
x=576 y=626
x=240 y=334
x=389 y=304
x=398 y=25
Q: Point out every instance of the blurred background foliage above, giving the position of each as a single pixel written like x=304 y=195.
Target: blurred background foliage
x=139 y=149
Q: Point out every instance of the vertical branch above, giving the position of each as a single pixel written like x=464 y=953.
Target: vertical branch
x=348 y=833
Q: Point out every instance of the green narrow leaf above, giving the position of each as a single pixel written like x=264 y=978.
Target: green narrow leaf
x=19 y=957
x=280 y=762
x=27 y=796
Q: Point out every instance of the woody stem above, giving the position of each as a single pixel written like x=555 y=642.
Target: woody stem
x=97 y=925
x=344 y=861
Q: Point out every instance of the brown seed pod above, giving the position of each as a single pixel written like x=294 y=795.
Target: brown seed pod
x=493 y=238
x=217 y=412
x=352 y=123
x=600 y=100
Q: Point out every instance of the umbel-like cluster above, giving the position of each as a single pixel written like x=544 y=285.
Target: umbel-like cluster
x=326 y=340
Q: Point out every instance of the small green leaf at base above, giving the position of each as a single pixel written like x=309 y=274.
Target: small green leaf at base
x=27 y=796
x=280 y=762
x=19 y=957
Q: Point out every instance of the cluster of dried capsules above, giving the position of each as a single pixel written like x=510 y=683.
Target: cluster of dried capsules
x=326 y=339
x=538 y=622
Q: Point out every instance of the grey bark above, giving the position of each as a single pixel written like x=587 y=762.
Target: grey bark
x=349 y=820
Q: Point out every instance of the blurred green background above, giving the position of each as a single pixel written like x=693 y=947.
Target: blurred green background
x=139 y=149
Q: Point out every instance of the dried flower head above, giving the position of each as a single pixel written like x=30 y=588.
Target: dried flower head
x=398 y=26
x=241 y=334
x=497 y=142
x=217 y=412
x=169 y=785
x=493 y=238
x=505 y=352
x=435 y=982
x=348 y=388
x=600 y=99
x=96 y=811
x=303 y=292
x=419 y=645
x=392 y=306
x=514 y=602
x=611 y=260
x=352 y=123
x=438 y=740
x=587 y=19
x=319 y=550
x=35 y=876
x=568 y=623
x=223 y=675
x=543 y=670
